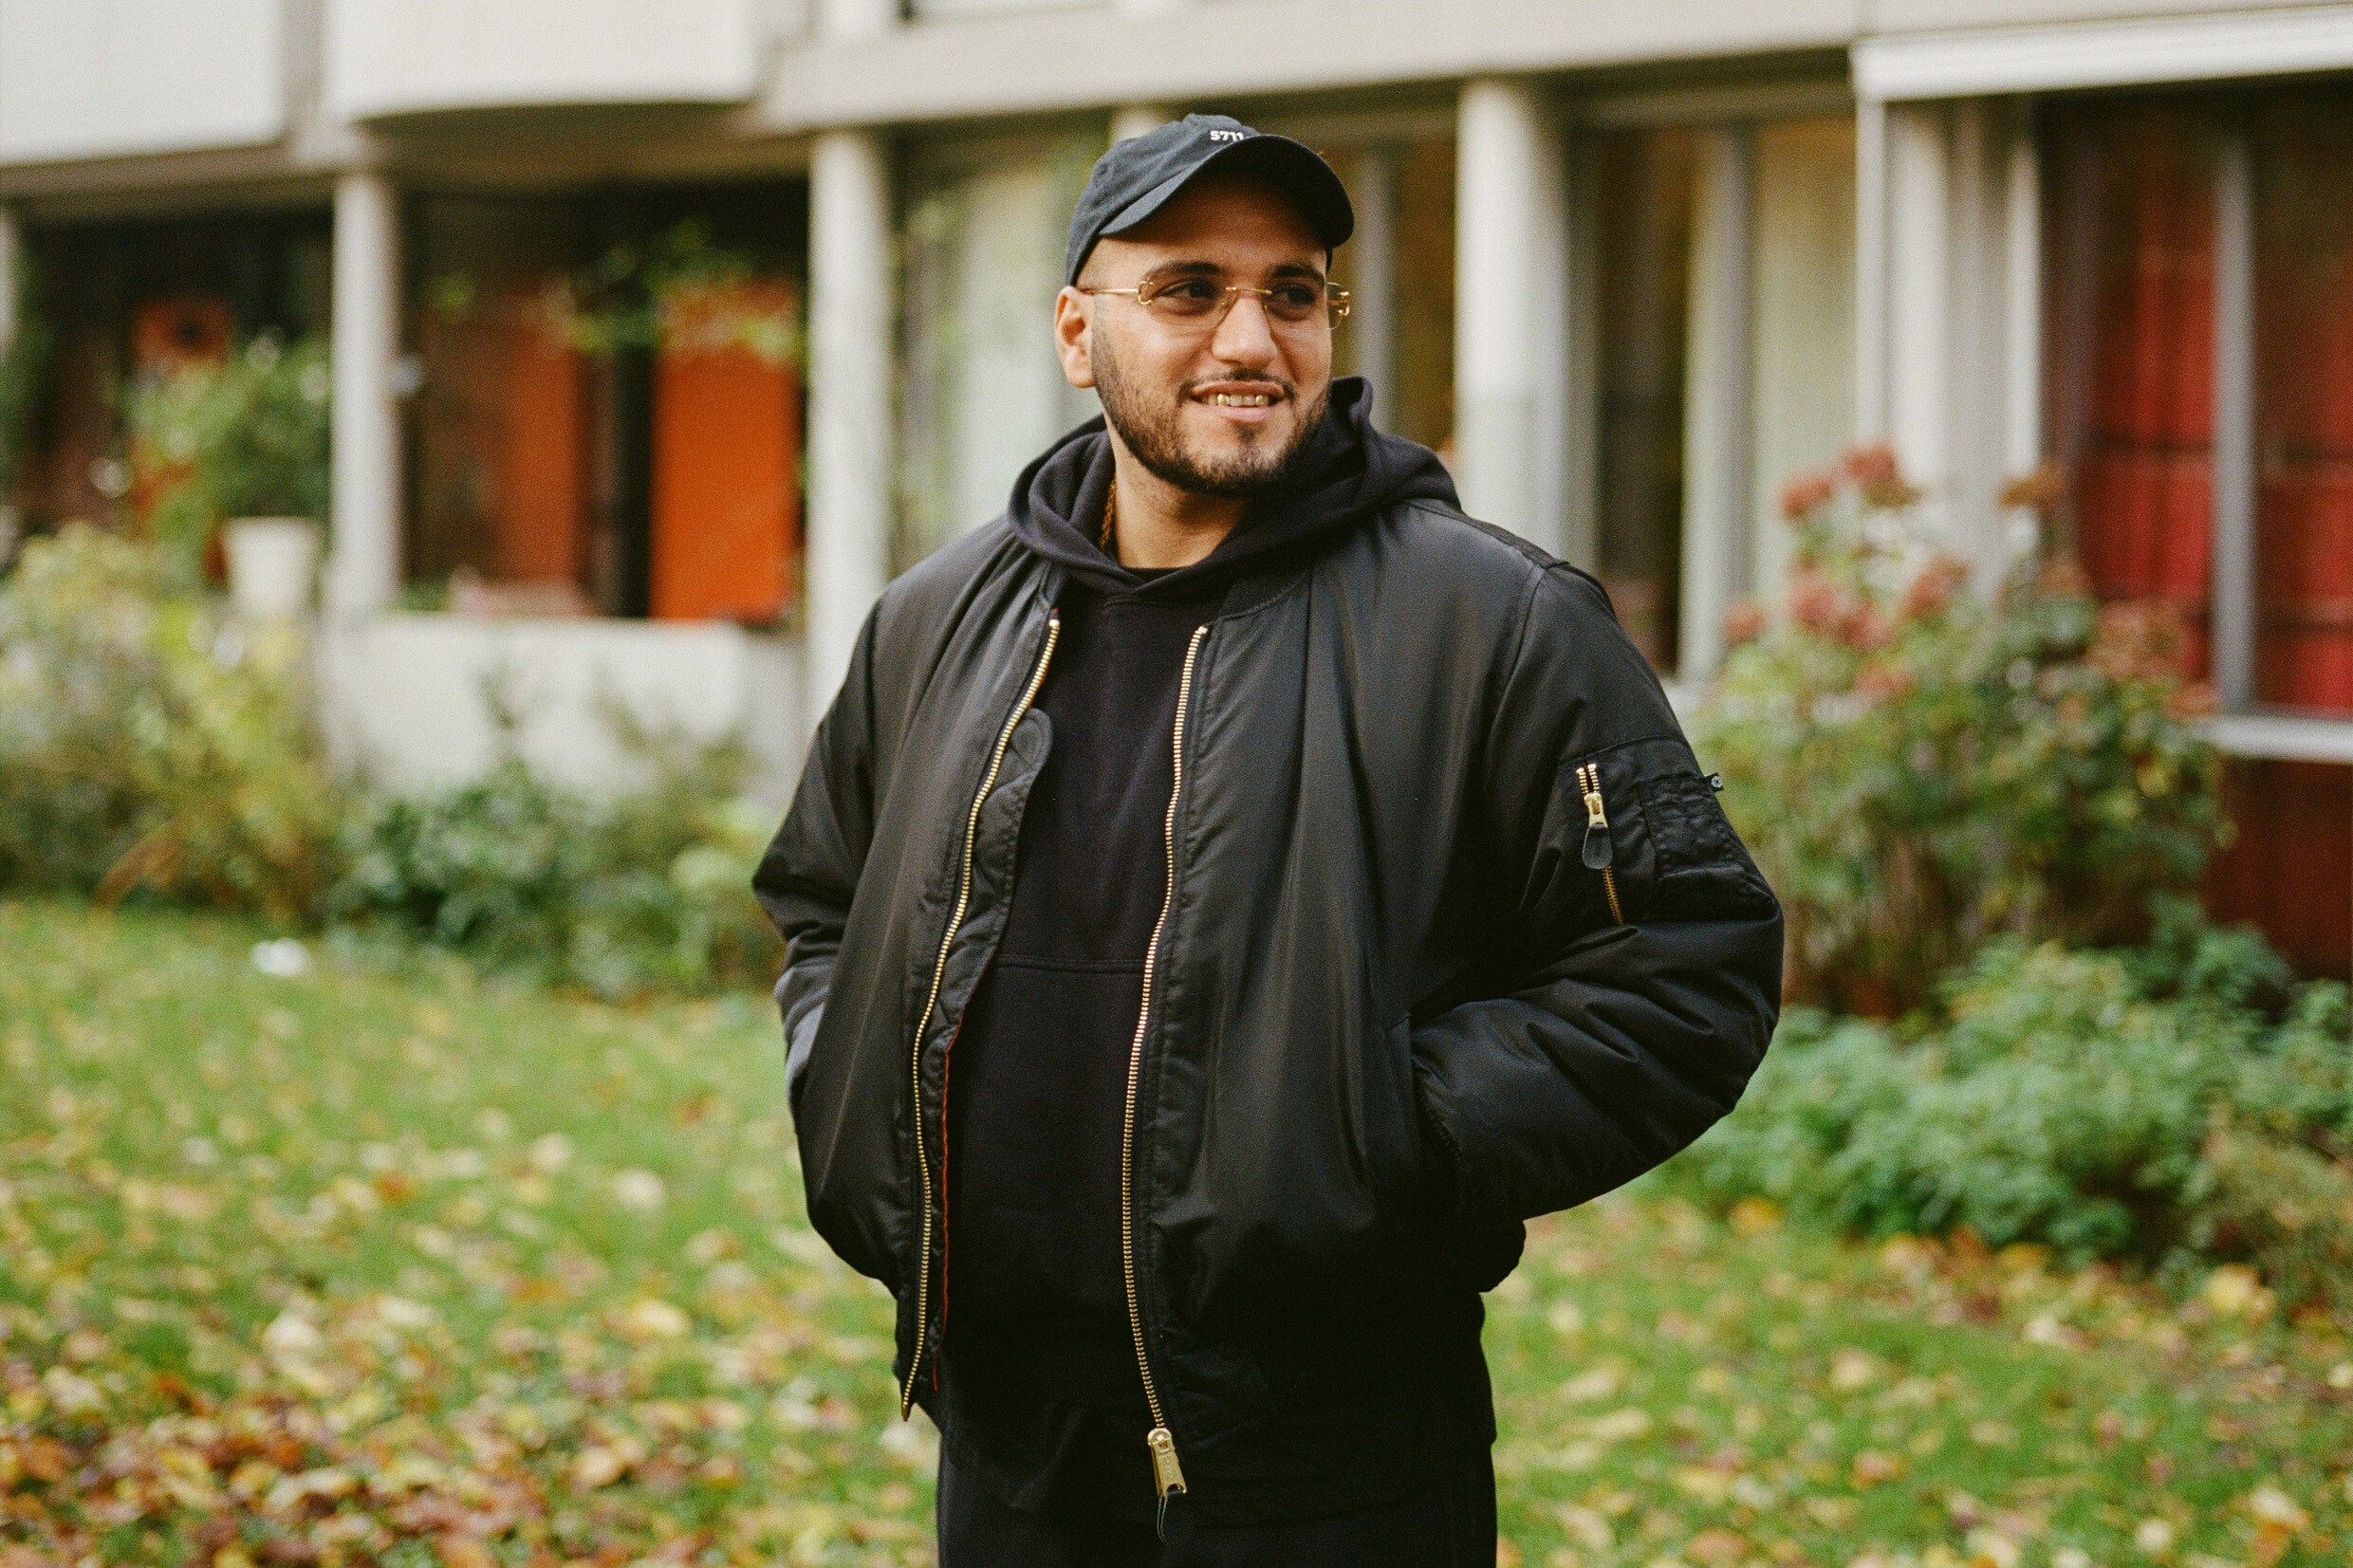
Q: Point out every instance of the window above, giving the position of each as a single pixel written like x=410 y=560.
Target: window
x=608 y=420
x=1721 y=326
x=2303 y=407
x=2129 y=290
x=2198 y=301
x=982 y=391
x=1399 y=268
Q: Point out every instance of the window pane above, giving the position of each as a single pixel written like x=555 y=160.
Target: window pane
x=1399 y=331
x=2304 y=399
x=1421 y=400
x=1642 y=183
x=983 y=391
x=1803 y=321
x=2129 y=321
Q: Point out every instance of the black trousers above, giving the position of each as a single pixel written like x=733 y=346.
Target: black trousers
x=1449 y=1525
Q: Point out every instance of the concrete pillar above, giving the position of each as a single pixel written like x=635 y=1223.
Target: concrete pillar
x=1716 y=384
x=2022 y=291
x=1870 y=269
x=1367 y=265
x=852 y=353
x=1917 y=350
x=1510 y=270
x=364 y=555
x=1958 y=346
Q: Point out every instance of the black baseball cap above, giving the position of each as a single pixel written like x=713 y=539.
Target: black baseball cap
x=1137 y=177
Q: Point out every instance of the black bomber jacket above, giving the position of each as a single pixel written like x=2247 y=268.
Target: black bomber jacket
x=1456 y=934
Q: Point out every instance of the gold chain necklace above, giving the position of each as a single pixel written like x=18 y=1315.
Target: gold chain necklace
x=1111 y=513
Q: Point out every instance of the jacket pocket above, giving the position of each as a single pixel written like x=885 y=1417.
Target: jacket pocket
x=1642 y=824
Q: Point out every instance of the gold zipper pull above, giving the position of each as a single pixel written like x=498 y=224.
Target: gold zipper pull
x=1599 y=851
x=1167 y=1475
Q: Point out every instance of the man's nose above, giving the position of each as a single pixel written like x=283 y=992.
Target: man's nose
x=1245 y=336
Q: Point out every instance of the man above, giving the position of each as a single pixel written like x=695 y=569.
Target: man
x=1231 y=893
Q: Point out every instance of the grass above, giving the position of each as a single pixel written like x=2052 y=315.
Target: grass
x=410 y=1268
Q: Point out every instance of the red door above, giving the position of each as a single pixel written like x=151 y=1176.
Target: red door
x=727 y=456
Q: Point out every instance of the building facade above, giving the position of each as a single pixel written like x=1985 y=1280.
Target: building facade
x=1628 y=268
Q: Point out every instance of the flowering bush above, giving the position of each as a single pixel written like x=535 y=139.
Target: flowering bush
x=1919 y=765
x=149 y=742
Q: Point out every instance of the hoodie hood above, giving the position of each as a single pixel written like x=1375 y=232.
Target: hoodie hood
x=1349 y=471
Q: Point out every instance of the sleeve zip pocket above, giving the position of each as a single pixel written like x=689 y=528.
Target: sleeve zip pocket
x=1599 y=851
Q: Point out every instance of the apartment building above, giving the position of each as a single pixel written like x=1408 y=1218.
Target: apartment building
x=1628 y=267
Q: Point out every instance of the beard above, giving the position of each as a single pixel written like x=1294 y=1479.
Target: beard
x=1151 y=425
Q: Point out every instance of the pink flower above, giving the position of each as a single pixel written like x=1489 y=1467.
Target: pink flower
x=1930 y=592
x=1874 y=471
x=1804 y=494
x=1885 y=682
x=1743 y=622
x=1864 y=627
x=1815 y=602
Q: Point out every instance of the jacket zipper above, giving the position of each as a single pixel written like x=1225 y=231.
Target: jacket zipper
x=1168 y=1475
x=1598 y=850
x=940 y=971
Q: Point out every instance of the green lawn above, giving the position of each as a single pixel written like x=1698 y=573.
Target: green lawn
x=410 y=1268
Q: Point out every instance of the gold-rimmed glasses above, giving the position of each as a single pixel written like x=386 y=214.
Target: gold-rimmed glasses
x=1201 y=299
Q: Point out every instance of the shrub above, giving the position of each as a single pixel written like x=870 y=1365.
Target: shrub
x=2059 y=1098
x=148 y=741
x=1919 y=767
x=650 y=890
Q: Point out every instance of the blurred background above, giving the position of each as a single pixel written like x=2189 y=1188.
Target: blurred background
x=447 y=451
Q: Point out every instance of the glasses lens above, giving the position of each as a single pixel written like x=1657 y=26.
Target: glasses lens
x=1295 y=303
x=1184 y=299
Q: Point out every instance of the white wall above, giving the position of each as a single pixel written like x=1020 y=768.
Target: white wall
x=405 y=694
x=108 y=78
x=390 y=57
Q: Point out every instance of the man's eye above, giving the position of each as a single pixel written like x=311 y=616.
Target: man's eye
x=1295 y=297
x=1187 y=291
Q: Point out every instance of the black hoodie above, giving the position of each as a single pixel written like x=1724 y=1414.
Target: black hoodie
x=1035 y=1311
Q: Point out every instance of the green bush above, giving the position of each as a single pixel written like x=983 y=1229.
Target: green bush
x=646 y=891
x=1919 y=767
x=2101 y=1103
x=148 y=741
x=247 y=438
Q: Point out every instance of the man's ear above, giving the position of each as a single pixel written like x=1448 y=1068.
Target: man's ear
x=1073 y=313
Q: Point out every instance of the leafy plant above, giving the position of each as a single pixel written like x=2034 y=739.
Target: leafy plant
x=248 y=437
x=681 y=288
x=147 y=742
x=1919 y=765
x=647 y=890
x=2058 y=1100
